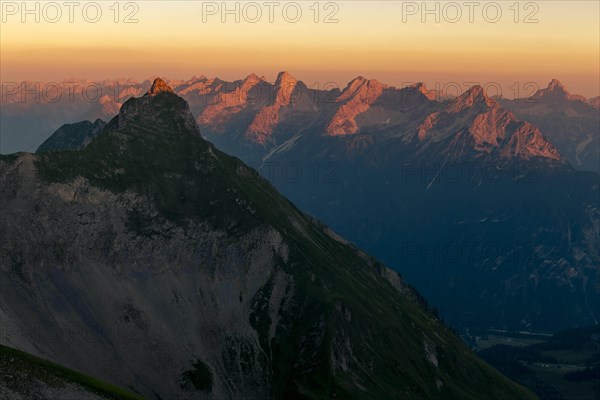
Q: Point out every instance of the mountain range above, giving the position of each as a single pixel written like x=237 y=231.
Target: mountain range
x=150 y=259
x=33 y=110
x=478 y=208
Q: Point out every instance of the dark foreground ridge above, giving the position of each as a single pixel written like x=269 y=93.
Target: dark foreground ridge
x=23 y=376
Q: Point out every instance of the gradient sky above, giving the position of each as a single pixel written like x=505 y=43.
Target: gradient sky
x=370 y=39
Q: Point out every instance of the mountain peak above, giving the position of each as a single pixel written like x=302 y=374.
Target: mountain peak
x=267 y=118
x=159 y=86
x=283 y=78
x=252 y=77
x=474 y=96
x=357 y=84
x=475 y=91
x=555 y=84
x=150 y=109
x=554 y=89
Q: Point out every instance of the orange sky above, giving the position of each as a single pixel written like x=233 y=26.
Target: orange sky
x=179 y=39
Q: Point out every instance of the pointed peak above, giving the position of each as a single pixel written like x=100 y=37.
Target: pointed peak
x=555 y=89
x=284 y=77
x=250 y=81
x=355 y=83
x=252 y=78
x=358 y=80
x=556 y=84
x=159 y=86
x=149 y=107
x=362 y=87
x=474 y=96
x=475 y=91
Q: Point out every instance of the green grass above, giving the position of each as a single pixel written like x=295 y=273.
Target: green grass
x=57 y=375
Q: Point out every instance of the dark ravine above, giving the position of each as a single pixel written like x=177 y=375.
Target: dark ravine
x=155 y=262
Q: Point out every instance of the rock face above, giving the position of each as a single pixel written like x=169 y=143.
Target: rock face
x=485 y=127
x=355 y=100
x=153 y=261
x=267 y=118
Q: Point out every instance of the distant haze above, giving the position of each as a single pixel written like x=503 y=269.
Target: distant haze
x=369 y=38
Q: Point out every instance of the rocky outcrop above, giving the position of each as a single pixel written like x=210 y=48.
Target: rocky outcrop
x=159 y=86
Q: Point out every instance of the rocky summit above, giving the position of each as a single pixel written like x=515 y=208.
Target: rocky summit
x=159 y=86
